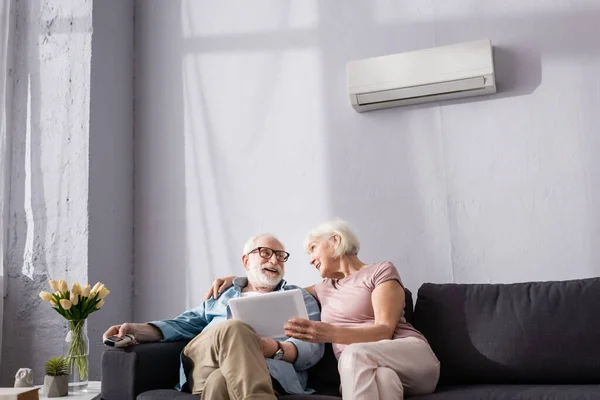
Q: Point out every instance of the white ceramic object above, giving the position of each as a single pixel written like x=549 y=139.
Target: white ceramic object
x=24 y=377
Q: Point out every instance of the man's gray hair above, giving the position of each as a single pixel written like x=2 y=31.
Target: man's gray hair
x=251 y=243
x=349 y=243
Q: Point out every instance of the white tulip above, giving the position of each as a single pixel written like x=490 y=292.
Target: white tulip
x=53 y=285
x=95 y=289
x=86 y=291
x=66 y=304
x=74 y=299
x=63 y=287
x=103 y=293
x=76 y=288
x=46 y=296
x=100 y=304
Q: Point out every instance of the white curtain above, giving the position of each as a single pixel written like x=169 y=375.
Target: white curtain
x=6 y=25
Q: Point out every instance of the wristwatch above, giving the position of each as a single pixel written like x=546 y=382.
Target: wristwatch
x=278 y=355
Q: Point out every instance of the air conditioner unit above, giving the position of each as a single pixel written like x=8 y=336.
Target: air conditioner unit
x=439 y=73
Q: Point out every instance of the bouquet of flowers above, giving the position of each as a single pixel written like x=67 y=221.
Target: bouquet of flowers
x=76 y=305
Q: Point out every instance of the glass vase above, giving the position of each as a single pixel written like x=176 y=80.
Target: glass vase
x=77 y=350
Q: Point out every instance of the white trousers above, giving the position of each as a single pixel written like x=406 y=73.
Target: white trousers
x=386 y=369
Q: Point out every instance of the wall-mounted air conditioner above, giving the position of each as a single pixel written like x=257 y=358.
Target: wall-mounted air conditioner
x=439 y=73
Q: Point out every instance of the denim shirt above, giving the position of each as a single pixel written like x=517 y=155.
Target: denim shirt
x=292 y=377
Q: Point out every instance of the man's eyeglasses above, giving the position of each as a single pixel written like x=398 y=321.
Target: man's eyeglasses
x=267 y=253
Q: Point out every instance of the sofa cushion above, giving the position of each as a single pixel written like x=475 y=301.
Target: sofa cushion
x=409 y=306
x=165 y=394
x=324 y=377
x=537 y=332
x=515 y=392
x=136 y=369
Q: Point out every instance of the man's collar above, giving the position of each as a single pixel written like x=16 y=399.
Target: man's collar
x=242 y=281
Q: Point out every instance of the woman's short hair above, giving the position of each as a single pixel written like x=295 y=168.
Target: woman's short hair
x=349 y=243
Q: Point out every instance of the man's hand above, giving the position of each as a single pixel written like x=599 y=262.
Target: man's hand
x=269 y=347
x=141 y=332
x=219 y=286
x=120 y=331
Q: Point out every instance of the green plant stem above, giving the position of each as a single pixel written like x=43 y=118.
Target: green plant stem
x=78 y=348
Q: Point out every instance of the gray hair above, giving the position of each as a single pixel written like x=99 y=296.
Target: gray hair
x=251 y=243
x=349 y=243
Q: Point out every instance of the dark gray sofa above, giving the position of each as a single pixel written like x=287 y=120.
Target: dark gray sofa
x=536 y=340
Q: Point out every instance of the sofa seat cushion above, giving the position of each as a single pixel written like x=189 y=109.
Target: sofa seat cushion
x=514 y=392
x=164 y=394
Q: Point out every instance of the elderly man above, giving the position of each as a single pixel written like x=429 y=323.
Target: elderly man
x=228 y=358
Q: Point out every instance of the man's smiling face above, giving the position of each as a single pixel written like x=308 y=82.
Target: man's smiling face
x=265 y=272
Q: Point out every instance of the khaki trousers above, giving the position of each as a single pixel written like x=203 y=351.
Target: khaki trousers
x=228 y=363
x=384 y=370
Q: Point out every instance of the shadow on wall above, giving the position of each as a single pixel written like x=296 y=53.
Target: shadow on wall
x=518 y=71
x=160 y=220
x=590 y=142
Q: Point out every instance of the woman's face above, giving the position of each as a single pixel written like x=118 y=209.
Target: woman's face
x=321 y=253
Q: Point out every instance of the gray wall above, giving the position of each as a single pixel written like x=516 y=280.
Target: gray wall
x=159 y=155
x=48 y=207
x=110 y=250
x=243 y=125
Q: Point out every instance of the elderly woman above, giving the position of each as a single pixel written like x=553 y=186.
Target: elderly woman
x=380 y=355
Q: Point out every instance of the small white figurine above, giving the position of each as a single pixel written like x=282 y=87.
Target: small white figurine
x=24 y=378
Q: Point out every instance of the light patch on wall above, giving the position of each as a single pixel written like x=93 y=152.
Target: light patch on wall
x=78 y=9
x=27 y=268
x=254 y=154
x=226 y=19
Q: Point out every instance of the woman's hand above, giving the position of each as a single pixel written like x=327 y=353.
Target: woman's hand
x=219 y=286
x=311 y=331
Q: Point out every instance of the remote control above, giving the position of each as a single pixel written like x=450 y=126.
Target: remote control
x=115 y=341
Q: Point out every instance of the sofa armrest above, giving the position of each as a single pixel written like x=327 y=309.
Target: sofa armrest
x=129 y=371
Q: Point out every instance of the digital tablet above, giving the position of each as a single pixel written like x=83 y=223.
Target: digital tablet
x=268 y=313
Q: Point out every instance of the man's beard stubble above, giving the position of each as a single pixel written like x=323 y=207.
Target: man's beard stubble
x=258 y=279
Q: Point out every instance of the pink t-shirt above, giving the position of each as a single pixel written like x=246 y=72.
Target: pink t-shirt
x=347 y=302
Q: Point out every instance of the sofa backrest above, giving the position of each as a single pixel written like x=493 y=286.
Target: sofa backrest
x=537 y=332
x=409 y=306
x=324 y=377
